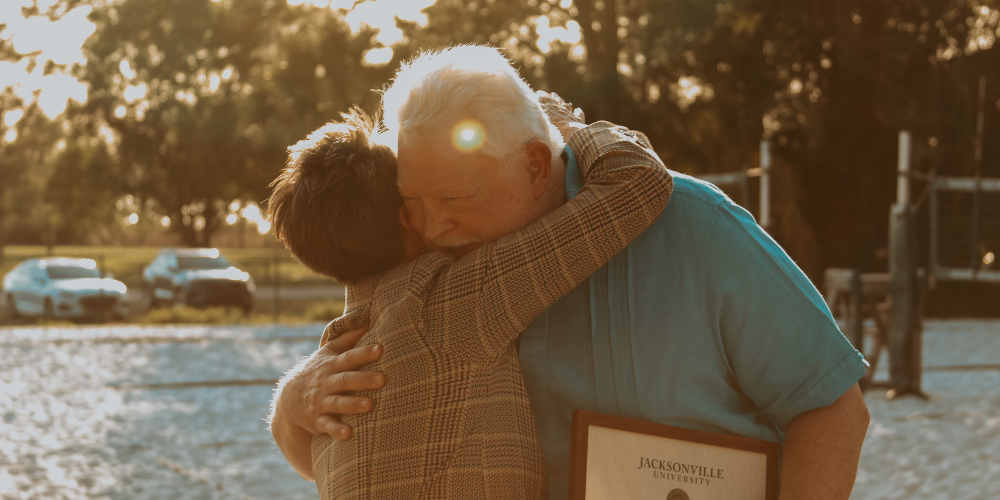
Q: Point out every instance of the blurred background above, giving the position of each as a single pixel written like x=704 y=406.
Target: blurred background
x=132 y=127
x=149 y=123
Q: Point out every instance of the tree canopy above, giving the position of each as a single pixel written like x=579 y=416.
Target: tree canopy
x=191 y=103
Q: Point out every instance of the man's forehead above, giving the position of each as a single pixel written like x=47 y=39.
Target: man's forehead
x=427 y=145
x=427 y=168
x=437 y=143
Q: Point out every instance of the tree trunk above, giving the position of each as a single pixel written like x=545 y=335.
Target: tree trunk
x=188 y=235
x=606 y=91
x=211 y=215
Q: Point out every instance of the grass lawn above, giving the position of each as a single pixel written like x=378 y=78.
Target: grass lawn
x=126 y=263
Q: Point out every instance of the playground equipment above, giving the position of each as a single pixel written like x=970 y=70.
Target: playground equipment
x=857 y=297
x=893 y=300
x=965 y=219
x=965 y=229
x=905 y=317
x=964 y=215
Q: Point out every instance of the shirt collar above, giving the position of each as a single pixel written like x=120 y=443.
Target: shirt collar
x=574 y=178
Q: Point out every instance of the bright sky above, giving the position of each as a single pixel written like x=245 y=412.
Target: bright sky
x=61 y=42
x=58 y=41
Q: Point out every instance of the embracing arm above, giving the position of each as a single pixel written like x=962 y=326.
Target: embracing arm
x=494 y=292
x=311 y=395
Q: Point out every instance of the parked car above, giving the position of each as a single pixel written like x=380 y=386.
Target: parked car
x=60 y=287
x=197 y=277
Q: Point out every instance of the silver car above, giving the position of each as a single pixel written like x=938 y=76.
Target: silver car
x=197 y=277
x=60 y=287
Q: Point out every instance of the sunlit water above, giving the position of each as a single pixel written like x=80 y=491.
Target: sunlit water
x=948 y=447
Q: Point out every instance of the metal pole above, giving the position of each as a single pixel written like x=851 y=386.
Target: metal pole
x=934 y=226
x=901 y=270
x=765 y=185
x=901 y=290
x=903 y=177
x=978 y=164
x=977 y=173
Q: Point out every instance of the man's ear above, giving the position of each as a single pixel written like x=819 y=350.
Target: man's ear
x=539 y=167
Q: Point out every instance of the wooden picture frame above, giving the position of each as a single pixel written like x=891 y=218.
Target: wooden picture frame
x=671 y=475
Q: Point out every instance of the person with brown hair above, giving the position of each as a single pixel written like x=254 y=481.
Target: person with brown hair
x=336 y=205
x=454 y=418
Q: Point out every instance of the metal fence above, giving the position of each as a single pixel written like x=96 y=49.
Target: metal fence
x=965 y=229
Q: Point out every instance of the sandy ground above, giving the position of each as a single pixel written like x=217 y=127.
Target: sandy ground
x=949 y=446
x=176 y=412
x=90 y=412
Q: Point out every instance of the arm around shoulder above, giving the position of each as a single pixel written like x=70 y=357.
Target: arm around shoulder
x=506 y=283
x=311 y=396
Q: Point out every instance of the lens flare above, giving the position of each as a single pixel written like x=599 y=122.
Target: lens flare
x=468 y=135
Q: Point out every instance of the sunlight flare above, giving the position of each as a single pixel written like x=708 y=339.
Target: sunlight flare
x=468 y=135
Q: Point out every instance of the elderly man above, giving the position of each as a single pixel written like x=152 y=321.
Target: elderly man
x=702 y=322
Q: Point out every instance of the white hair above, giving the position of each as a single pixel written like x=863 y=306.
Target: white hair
x=441 y=88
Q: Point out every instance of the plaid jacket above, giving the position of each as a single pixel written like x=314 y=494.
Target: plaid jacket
x=453 y=420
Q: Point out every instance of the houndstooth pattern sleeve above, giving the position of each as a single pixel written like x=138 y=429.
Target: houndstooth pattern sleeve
x=480 y=303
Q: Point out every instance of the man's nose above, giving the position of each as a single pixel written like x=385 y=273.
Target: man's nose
x=436 y=223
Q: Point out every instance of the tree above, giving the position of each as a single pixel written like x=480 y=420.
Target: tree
x=830 y=83
x=33 y=153
x=24 y=165
x=204 y=96
x=82 y=183
x=9 y=170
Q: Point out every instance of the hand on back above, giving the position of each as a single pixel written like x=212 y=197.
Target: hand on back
x=561 y=113
x=325 y=388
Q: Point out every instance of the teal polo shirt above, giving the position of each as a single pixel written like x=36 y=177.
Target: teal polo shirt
x=703 y=322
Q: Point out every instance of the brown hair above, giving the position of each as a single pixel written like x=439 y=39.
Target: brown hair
x=335 y=206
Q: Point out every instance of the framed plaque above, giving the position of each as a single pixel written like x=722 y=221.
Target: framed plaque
x=620 y=458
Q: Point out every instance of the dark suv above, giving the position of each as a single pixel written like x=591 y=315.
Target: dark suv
x=198 y=277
